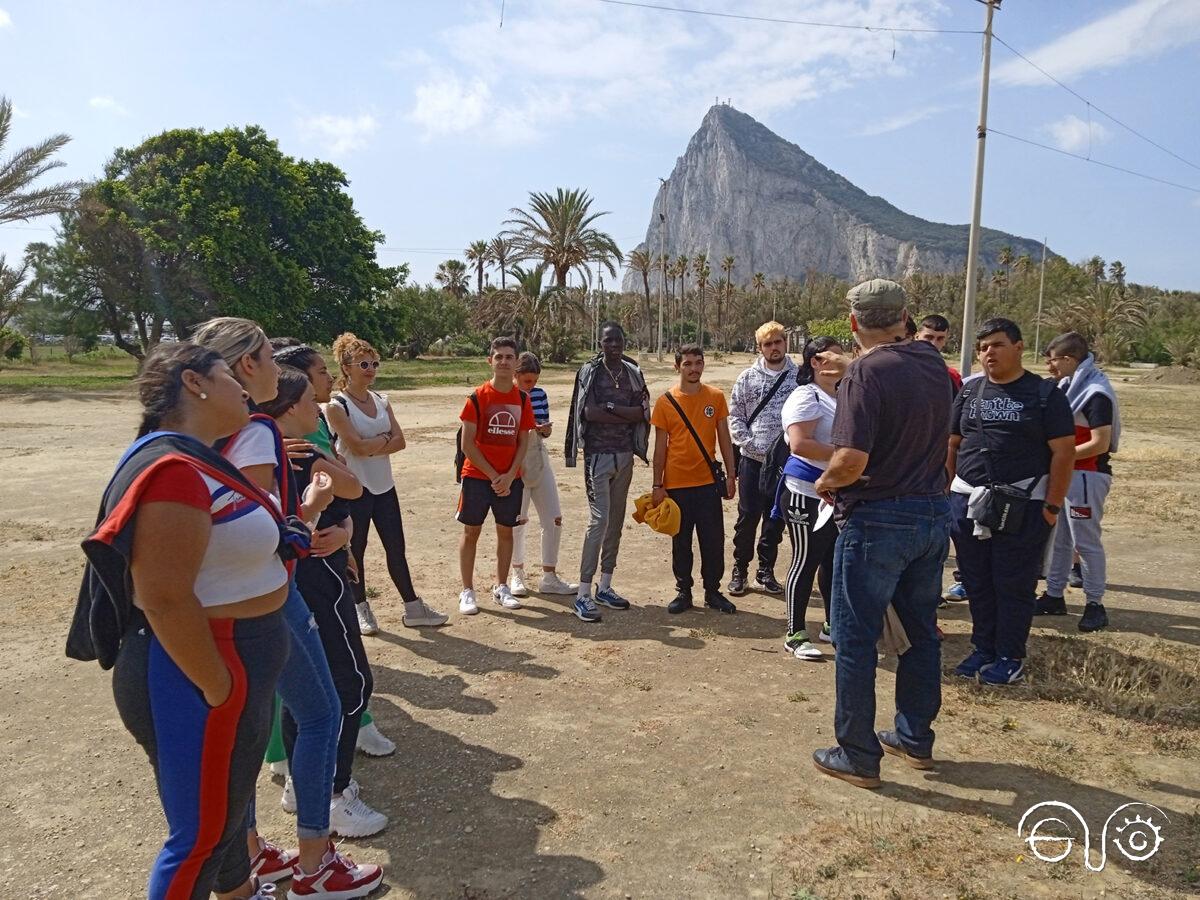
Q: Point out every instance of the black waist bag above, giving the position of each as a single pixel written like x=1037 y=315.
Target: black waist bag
x=1005 y=509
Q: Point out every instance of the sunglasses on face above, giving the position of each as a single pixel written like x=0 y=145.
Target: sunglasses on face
x=369 y=364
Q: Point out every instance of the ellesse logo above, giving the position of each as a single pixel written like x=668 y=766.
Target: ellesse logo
x=502 y=423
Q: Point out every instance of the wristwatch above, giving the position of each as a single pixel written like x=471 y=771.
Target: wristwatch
x=1050 y=507
x=610 y=407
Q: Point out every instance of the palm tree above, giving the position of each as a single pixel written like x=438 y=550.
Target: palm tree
x=478 y=253
x=503 y=254
x=758 y=284
x=1116 y=274
x=1103 y=314
x=1095 y=268
x=537 y=316
x=557 y=230
x=702 y=272
x=14 y=291
x=1023 y=264
x=452 y=276
x=640 y=262
x=20 y=201
x=1006 y=259
x=727 y=266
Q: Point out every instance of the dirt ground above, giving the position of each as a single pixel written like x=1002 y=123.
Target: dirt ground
x=649 y=755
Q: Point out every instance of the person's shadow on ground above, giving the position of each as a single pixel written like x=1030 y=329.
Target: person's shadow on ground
x=451 y=834
x=1029 y=787
x=443 y=647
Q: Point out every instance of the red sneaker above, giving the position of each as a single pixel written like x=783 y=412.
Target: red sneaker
x=338 y=878
x=273 y=863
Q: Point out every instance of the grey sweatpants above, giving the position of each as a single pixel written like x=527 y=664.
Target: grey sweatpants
x=1079 y=529
x=607 y=477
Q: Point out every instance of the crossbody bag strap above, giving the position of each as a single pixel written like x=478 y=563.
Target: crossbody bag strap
x=987 y=449
x=695 y=437
x=762 y=404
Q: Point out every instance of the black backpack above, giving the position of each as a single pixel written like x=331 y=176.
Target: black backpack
x=459 y=456
x=772 y=467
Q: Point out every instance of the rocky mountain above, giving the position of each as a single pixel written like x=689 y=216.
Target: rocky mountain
x=743 y=191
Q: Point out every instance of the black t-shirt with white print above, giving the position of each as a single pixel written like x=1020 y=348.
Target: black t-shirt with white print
x=1017 y=428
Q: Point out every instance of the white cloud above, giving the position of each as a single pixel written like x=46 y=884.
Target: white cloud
x=1075 y=135
x=901 y=120
x=339 y=135
x=105 y=103
x=5 y=19
x=1144 y=28
x=650 y=67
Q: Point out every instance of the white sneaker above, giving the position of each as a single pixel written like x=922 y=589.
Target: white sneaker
x=808 y=650
x=366 y=618
x=552 y=584
x=466 y=603
x=422 y=616
x=288 y=800
x=350 y=817
x=502 y=595
x=516 y=582
x=372 y=742
x=280 y=768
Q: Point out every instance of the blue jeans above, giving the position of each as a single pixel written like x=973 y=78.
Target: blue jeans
x=307 y=690
x=889 y=551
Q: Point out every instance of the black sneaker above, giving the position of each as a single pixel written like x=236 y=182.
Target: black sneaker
x=716 y=600
x=766 y=581
x=681 y=603
x=737 y=582
x=1094 y=617
x=1050 y=606
x=1075 y=579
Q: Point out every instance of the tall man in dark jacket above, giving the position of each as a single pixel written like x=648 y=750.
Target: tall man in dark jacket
x=887 y=477
x=609 y=420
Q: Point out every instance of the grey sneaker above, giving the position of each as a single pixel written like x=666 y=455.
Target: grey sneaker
x=420 y=614
x=366 y=618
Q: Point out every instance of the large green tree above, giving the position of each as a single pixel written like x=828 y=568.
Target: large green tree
x=192 y=224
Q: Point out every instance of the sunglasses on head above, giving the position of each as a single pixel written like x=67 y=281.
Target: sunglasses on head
x=369 y=364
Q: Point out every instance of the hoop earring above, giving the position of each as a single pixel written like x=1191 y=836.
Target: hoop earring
x=203 y=396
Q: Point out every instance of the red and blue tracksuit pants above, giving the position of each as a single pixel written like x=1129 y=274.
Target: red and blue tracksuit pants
x=205 y=759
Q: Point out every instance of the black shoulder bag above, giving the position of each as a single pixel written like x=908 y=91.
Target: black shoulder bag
x=718 y=471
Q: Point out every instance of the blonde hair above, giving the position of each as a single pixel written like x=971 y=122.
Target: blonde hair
x=233 y=338
x=346 y=346
x=768 y=330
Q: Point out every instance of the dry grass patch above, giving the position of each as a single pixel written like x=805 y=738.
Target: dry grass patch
x=1160 y=683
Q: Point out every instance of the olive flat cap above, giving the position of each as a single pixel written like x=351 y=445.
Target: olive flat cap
x=878 y=293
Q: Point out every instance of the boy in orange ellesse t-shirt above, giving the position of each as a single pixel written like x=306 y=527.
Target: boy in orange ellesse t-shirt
x=682 y=473
x=497 y=419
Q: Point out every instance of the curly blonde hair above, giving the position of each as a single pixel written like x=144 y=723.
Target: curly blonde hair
x=346 y=346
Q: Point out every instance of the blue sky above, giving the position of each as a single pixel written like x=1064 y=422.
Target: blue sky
x=443 y=120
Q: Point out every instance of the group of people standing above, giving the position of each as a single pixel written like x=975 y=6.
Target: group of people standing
x=227 y=564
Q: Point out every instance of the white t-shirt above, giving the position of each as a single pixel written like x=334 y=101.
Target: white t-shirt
x=809 y=403
x=374 y=473
x=254 y=445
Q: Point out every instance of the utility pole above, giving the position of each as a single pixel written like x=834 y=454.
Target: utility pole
x=662 y=264
x=1037 y=328
x=968 y=335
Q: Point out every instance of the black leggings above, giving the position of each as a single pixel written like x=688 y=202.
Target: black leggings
x=812 y=556
x=322 y=583
x=384 y=511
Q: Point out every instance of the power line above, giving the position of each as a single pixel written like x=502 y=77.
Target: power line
x=1013 y=137
x=1074 y=93
x=775 y=21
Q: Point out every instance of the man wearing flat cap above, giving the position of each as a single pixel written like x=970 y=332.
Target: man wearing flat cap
x=887 y=477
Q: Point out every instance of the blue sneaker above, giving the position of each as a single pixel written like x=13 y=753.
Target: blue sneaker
x=1002 y=671
x=586 y=610
x=956 y=593
x=610 y=598
x=970 y=666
